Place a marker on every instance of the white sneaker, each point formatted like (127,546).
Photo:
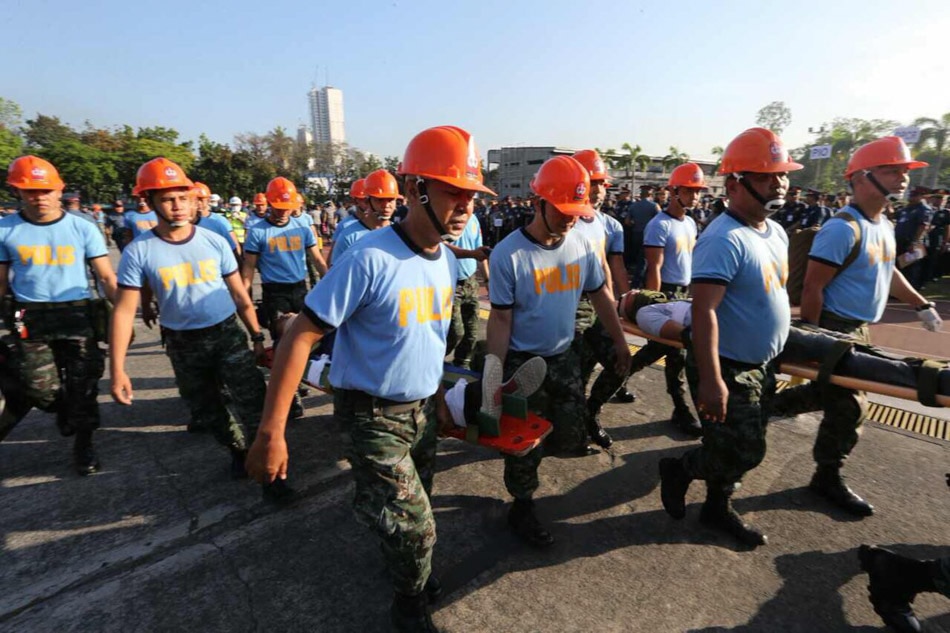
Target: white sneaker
(527,379)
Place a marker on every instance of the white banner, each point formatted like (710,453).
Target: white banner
(910,133)
(820,152)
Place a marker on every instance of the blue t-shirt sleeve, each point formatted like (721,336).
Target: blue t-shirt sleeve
(228,262)
(501,290)
(130,272)
(253,243)
(716,259)
(95,244)
(833,243)
(656,234)
(594,274)
(5,256)
(478,236)
(614,237)
(309,240)
(341,292)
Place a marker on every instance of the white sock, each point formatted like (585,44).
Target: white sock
(455,400)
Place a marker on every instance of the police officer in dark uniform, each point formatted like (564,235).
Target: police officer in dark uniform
(815,213)
(939,235)
(793,210)
(638,216)
(911,232)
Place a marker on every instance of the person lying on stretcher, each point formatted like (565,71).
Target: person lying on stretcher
(464,399)
(835,353)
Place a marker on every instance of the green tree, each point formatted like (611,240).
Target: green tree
(776,116)
(674,158)
(83,168)
(11,143)
(44,131)
(391,163)
(717,151)
(934,133)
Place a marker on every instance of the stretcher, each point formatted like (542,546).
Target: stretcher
(517,432)
(820,355)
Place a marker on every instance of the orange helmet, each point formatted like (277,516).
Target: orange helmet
(381,184)
(201,190)
(281,193)
(890,150)
(593,163)
(358,189)
(757,150)
(564,183)
(688,175)
(32,172)
(260,198)
(447,154)
(159,173)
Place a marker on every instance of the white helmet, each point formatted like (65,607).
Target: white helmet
(234,201)
(215,199)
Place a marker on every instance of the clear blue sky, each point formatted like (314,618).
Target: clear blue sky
(577,74)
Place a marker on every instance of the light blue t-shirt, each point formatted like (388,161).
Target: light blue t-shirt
(281,251)
(219,225)
(141,222)
(614,235)
(346,237)
(860,292)
(594,231)
(303,218)
(392,305)
(252,220)
(187,277)
(677,239)
(543,285)
(48,261)
(754,315)
(342,224)
(469,240)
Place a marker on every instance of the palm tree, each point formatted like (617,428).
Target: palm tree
(675,158)
(718,151)
(934,132)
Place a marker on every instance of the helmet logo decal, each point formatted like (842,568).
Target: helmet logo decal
(777,151)
(581,192)
(38,173)
(171,174)
(599,166)
(285,196)
(472,160)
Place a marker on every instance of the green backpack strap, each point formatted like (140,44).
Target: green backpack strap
(928,382)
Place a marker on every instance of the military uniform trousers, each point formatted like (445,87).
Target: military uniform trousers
(281,298)
(844,409)
(204,361)
(464,329)
(733,447)
(56,368)
(560,400)
(392,453)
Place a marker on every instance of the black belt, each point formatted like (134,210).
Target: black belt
(52,305)
(724,360)
(852,323)
(462,282)
(674,288)
(200,332)
(273,285)
(368,403)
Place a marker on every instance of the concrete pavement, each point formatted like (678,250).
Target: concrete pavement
(163,540)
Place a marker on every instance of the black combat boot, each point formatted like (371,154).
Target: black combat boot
(685,421)
(624,395)
(433,589)
(597,433)
(87,462)
(279,493)
(523,522)
(410,614)
(717,513)
(894,582)
(238,456)
(674,482)
(828,482)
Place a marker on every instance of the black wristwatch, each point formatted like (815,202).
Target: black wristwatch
(926,306)
(257,338)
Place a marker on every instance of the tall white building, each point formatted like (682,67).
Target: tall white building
(326,115)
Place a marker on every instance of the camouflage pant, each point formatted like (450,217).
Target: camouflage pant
(464,328)
(393,459)
(732,448)
(844,409)
(280,298)
(595,346)
(206,360)
(560,400)
(57,369)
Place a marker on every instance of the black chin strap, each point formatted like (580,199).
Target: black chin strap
(890,197)
(544,218)
(424,199)
(769,205)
